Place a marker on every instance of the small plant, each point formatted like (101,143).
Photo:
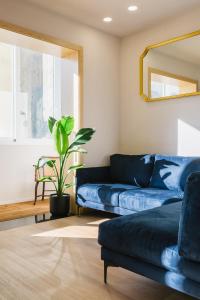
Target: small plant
(61,131)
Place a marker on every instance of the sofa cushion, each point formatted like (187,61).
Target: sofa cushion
(171,172)
(107,194)
(150,236)
(172,261)
(142,199)
(189,233)
(145,235)
(104,207)
(132,169)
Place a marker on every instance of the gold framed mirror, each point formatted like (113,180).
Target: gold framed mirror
(171,69)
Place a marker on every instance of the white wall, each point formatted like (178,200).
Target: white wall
(101,96)
(156,127)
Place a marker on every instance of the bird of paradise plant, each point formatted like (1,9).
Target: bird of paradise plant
(61,130)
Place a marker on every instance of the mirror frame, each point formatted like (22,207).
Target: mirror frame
(145,52)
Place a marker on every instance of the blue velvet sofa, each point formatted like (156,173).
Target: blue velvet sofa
(133,183)
(162,243)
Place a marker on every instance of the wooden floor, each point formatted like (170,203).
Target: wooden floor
(23,209)
(60,260)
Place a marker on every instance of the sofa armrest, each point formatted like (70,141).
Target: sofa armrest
(189,229)
(92,175)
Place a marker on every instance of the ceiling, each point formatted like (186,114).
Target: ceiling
(91,12)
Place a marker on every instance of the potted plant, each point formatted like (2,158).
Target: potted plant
(61,131)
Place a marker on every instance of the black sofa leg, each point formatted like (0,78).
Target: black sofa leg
(106,265)
(78,210)
(105,272)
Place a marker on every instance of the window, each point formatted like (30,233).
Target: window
(164,84)
(29,93)
(6,93)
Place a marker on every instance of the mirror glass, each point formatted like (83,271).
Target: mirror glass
(172,70)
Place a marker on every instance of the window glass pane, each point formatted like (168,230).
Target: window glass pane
(162,86)
(30,92)
(157,89)
(6,94)
(35,94)
(171,89)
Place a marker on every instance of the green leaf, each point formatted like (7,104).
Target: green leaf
(76,149)
(60,138)
(83,136)
(45,178)
(68,185)
(51,122)
(68,124)
(81,150)
(75,167)
(38,164)
(41,162)
(51,163)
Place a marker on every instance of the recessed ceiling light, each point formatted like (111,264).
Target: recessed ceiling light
(132,8)
(107,19)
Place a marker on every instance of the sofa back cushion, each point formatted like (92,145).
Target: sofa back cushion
(171,172)
(189,233)
(132,169)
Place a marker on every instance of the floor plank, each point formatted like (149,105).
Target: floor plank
(60,260)
(23,209)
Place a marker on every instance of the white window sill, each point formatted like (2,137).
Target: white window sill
(28,142)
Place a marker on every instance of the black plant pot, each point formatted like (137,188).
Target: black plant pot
(59,206)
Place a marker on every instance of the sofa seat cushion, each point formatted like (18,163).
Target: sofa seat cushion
(132,169)
(142,199)
(171,172)
(145,235)
(107,194)
(150,236)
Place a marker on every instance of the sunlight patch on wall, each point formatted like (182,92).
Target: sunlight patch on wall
(188,143)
